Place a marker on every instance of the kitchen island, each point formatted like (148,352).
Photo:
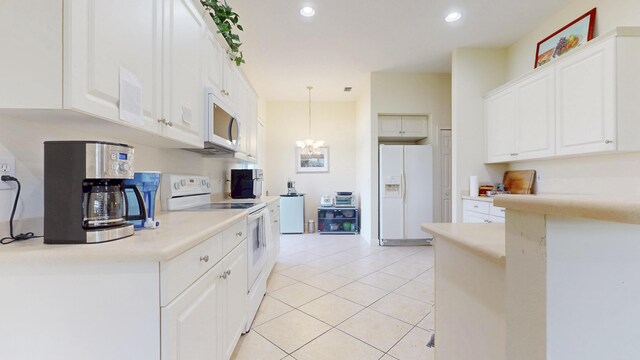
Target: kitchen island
(573,277)
(560,280)
(470,290)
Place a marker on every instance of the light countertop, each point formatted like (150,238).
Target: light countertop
(479,198)
(605,208)
(178,232)
(486,240)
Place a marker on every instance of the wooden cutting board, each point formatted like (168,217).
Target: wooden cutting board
(519,181)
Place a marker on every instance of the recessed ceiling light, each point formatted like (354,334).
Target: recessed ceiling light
(307,11)
(454,16)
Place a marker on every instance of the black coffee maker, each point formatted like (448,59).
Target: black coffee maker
(84,199)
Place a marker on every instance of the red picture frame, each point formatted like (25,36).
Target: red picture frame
(572,35)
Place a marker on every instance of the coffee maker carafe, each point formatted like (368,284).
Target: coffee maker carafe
(84,192)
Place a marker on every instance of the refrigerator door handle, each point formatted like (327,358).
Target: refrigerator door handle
(404,186)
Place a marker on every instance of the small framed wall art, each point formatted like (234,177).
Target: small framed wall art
(572,35)
(314,162)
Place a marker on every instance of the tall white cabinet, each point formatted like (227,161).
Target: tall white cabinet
(183,88)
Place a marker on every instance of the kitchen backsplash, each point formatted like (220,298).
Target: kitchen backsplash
(24,141)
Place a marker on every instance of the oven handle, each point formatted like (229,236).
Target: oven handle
(256,215)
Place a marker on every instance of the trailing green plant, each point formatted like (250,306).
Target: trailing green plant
(226,20)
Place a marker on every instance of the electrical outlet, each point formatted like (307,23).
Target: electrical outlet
(7,167)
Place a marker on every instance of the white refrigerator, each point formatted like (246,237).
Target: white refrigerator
(405,194)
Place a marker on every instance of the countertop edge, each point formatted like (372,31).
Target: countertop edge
(621,210)
(461,235)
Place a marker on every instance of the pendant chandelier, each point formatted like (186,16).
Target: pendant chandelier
(309,146)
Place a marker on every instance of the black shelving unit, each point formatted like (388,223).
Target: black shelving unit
(338,220)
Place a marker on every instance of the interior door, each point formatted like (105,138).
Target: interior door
(418,204)
(445,174)
(391,193)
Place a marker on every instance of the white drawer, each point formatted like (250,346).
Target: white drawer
(477,206)
(496,219)
(474,217)
(233,235)
(496,211)
(180,272)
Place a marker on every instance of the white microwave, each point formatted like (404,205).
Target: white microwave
(221,128)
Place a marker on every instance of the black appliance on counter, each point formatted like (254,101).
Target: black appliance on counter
(246,183)
(84,199)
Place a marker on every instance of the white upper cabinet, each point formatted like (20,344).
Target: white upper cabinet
(587,101)
(183,90)
(85,46)
(584,102)
(101,38)
(500,112)
(520,120)
(212,61)
(402,127)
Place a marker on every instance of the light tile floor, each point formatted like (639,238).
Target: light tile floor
(339,297)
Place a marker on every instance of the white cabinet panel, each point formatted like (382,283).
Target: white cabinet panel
(535,117)
(389,126)
(212,62)
(234,267)
(103,36)
(414,126)
(586,101)
(521,118)
(500,112)
(191,323)
(183,87)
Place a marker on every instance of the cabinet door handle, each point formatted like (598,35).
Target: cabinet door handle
(487,221)
(239,233)
(169,123)
(513,154)
(475,206)
(228,272)
(223,276)
(204,258)
(608,141)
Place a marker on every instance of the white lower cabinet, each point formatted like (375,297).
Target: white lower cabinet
(234,298)
(191,324)
(206,320)
(273,247)
(481,211)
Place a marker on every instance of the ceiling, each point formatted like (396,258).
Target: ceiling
(348,39)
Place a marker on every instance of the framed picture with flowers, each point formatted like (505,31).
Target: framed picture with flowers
(569,37)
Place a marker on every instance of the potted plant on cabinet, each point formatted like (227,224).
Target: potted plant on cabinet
(227,21)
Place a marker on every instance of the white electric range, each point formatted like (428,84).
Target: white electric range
(193,193)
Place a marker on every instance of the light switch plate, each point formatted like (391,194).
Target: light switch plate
(7,167)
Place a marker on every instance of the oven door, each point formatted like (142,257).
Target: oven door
(256,246)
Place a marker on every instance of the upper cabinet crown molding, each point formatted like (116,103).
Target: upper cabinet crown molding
(584,102)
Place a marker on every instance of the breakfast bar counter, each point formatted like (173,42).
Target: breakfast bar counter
(572,276)
(470,290)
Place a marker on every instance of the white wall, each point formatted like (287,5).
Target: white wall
(364,166)
(24,140)
(333,122)
(474,72)
(606,174)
